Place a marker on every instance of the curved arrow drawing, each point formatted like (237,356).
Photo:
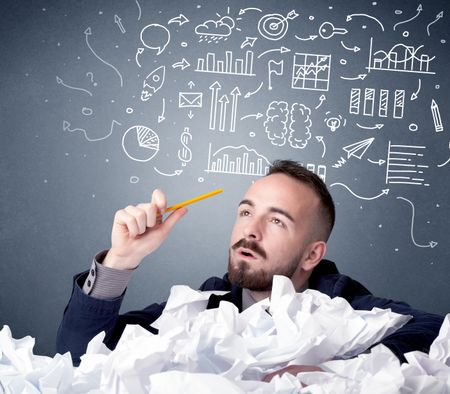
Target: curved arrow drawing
(257,116)
(138,52)
(177,172)
(281,50)
(383,192)
(377,126)
(415,94)
(444,164)
(181,64)
(438,16)
(419,10)
(61,82)
(180,19)
(161,117)
(349,18)
(353,49)
(249,94)
(310,38)
(379,162)
(322,98)
(360,76)
(319,138)
(87,33)
(66,127)
(431,244)
(244,10)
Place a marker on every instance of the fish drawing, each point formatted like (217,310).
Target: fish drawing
(153,82)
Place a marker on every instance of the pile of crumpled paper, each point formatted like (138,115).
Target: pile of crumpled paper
(224,351)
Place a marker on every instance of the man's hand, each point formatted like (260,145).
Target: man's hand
(138,231)
(293,370)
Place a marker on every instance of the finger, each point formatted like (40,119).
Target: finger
(140,217)
(151,212)
(173,218)
(159,199)
(127,222)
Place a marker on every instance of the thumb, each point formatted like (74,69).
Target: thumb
(173,218)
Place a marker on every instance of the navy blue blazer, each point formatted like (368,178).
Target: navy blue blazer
(85,316)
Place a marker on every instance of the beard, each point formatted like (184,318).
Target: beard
(242,274)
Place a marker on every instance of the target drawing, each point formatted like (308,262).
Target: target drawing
(274,26)
(140,143)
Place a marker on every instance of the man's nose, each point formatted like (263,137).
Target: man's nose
(253,231)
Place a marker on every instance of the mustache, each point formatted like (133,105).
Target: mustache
(253,246)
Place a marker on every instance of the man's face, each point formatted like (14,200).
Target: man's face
(274,224)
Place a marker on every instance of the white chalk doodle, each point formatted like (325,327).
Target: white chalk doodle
(256,116)
(400,58)
(275,68)
(229,66)
(66,127)
(367,104)
(153,82)
(311,71)
(155,36)
(59,81)
(359,76)
(334,122)
(223,100)
(320,170)
(237,160)
(430,244)
(275,26)
(139,9)
(249,94)
(180,19)
(328,30)
(413,127)
(134,179)
(216,30)
(437,120)
(175,173)
(87,33)
(242,11)
(140,143)
(377,126)
(322,98)
(319,138)
(444,164)
(136,57)
(185,153)
(401,167)
(419,10)
(311,37)
(379,162)
(118,22)
(438,16)
(352,49)
(415,94)
(190,100)
(282,49)
(351,16)
(249,41)
(384,192)
(357,149)
(86,111)
(90,75)
(181,64)
(161,117)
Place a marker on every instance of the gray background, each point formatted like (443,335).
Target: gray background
(59,191)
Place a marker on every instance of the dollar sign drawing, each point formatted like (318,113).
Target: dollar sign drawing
(184,153)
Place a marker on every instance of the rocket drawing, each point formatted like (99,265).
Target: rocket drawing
(153,82)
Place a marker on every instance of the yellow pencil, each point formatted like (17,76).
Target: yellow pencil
(192,200)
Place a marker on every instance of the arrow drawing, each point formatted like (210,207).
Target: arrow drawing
(360,76)
(438,16)
(182,64)
(415,94)
(215,87)
(319,138)
(248,94)
(257,116)
(176,172)
(384,192)
(235,93)
(322,98)
(61,82)
(87,33)
(379,162)
(190,114)
(353,49)
(281,50)
(66,127)
(118,21)
(431,244)
(419,10)
(377,126)
(249,41)
(310,38)
(242,11)
(223,111)
(161,117)
(138,52)
(444,164)
(349,18)
(180,19)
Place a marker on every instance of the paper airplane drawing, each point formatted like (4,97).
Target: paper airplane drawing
(358,148)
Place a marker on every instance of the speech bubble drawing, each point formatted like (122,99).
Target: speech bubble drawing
(155,36)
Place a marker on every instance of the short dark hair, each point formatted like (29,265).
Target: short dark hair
(297,171)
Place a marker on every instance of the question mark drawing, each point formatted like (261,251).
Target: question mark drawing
(90,75)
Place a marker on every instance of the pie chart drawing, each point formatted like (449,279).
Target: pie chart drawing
(140,143)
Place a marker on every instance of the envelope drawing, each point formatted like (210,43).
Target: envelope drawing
(190,99)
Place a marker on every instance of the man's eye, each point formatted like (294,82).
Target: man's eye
(244,213)
(278,222)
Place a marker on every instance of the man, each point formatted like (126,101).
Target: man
(282,226)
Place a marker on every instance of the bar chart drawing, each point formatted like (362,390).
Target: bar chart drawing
(404,165)
(237,160)
(370,102)
(311,71)
(400,58)
(227,65)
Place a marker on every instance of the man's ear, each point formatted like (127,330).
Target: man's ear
(314,253)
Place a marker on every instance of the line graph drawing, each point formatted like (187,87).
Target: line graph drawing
(431,244)
(404,165)
(237,160)
(230,66)
(275,26)
(311,71)
(400,58)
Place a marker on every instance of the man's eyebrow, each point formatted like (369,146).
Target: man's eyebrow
(271,209)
